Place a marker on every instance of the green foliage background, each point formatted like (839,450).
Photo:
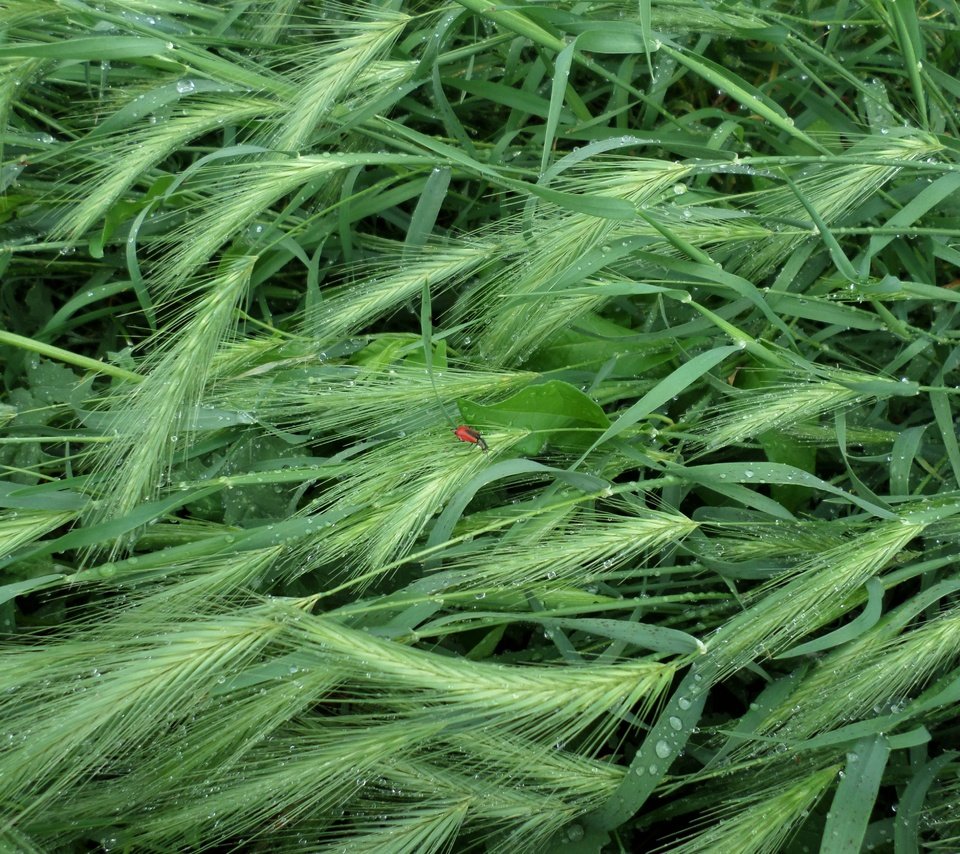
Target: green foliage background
(689,267)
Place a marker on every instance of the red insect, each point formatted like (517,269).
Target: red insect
(468,434)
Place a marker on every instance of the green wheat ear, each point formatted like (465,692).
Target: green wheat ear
(151,421)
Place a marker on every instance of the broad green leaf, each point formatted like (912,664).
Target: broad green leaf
(553,411)
(19,588)
(743,92)
(647,636)
(97,48)
(718,473)
(667,388)
(851,631)
(443,528)
(425,216)
(906,825)
(855,796)
(662,744)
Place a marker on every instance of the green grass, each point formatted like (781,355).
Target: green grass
(690,268)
